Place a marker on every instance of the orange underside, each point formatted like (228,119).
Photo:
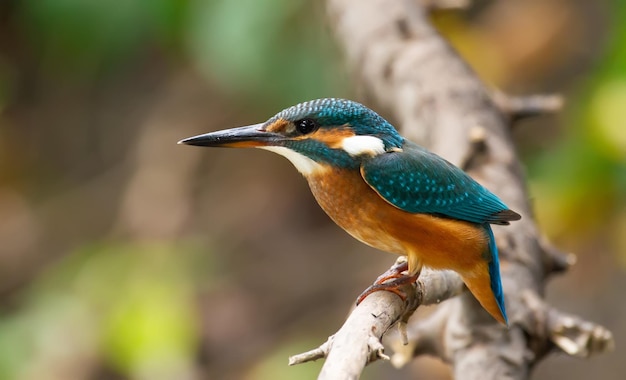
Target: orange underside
(426,240)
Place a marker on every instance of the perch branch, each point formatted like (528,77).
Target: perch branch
(358,341)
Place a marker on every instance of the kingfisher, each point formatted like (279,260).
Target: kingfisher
(386,191)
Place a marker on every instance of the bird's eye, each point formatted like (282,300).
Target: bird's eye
(305,126)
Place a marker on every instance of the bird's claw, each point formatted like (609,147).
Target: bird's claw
(392,281)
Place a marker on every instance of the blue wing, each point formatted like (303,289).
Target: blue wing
(418,181)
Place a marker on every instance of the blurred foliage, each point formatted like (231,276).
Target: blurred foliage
(286,60)
(85,295)
(131,304)
(90,35)
(583,181)
(94,36)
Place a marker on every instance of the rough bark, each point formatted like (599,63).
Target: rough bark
(406,68)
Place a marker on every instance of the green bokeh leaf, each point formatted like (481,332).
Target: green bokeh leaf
(131,304)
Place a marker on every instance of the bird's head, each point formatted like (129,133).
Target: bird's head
(314,135)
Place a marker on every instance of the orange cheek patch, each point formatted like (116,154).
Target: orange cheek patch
(331,137)
(278,126)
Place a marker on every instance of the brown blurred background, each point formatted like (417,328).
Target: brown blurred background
(126,256)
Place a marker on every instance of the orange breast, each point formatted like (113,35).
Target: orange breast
(429,240)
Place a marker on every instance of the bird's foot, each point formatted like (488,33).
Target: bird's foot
(392,281)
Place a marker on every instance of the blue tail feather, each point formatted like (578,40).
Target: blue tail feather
(494,273)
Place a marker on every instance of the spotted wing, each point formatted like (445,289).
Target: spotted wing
(419,181)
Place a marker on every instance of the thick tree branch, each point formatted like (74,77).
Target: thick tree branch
(403,65)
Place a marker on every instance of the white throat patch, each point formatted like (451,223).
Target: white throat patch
(358,145)
(305,165)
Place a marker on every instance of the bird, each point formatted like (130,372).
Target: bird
(386,191)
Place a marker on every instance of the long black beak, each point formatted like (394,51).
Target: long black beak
(250,136)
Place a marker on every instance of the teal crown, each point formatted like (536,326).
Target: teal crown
(335,112)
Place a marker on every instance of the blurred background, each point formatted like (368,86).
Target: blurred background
(126,256)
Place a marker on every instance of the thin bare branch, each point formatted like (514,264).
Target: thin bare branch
(578,337)
(571,334)
(555,260)
(520,107)
(312,355)
(446,4)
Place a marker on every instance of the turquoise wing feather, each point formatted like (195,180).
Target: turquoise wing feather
(418,181)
